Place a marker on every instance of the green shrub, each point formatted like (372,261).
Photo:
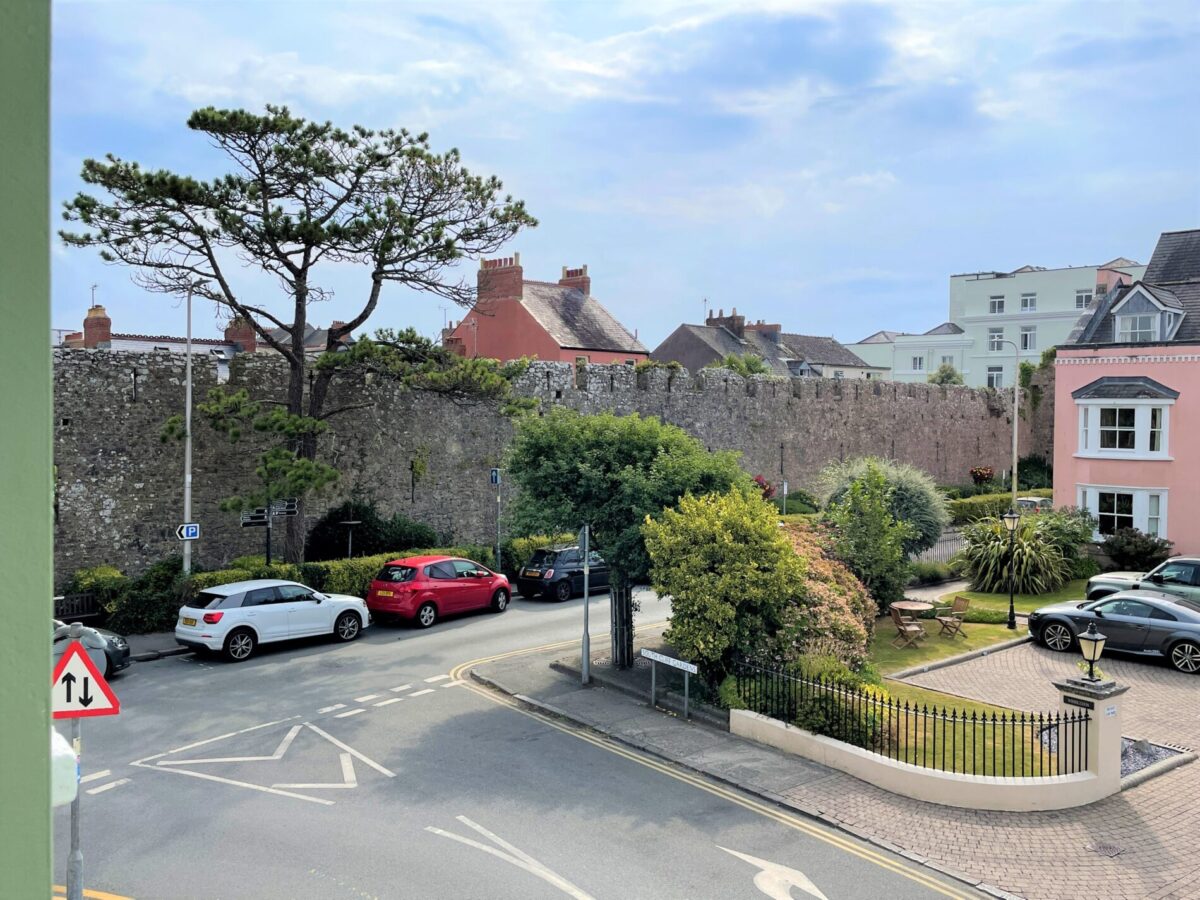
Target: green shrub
(374,534)
(106,583)
(744,364)
(945,374)
(1038,564)
(515,552)
(969,509)
(930,572)
(253,561)
(1084,567)
(913,497)
(1135,550)
(798,501)
(868,536)
(729,694)
(647,365)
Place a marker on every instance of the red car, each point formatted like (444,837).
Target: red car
(425,588)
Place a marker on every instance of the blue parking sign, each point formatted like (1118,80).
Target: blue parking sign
(188,531)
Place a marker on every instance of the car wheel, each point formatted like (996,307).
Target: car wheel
(239,645)
(426,615)
(1058,637)
(562,591)
(1185,656)
(347,627)
(500,600)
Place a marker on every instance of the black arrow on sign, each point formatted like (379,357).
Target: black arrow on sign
(68,680)
(86,698)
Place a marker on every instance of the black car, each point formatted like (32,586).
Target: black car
(557,573)
(107,649)
(1133,621)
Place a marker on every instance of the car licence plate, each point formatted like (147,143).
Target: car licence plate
(189,621)
(383,593)
(533,573)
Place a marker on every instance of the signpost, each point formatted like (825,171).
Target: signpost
(188,531)
(584,534)
(688,669)
(495,479)
(262,516)
(78,690)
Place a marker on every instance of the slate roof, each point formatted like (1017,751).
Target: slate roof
(169,339)
(1125,387)
(945,328)
(576,320)
(1163,296)
(820,351)
(1176,258)
(883,337)
(315,339)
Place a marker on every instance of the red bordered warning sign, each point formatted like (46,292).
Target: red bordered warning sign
(77,689)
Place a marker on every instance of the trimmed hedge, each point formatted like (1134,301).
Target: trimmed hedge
(987,506)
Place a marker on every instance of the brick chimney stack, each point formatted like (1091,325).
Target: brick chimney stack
(452,343)
(578,279)
(769,330)
(501,279)
(732,322)
(241,334)
(97,328)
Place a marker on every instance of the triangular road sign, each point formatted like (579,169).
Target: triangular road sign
(77,688)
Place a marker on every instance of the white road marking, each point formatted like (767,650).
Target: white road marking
(329,709)
(389,701)
(350,712)
(403,687)
(245,784)
(95,776)
(512,855)
(436,678)
(220,737)
(278,754)
(452,683)
(366,698)
(109,786)
(370,762)
(349,780)
(419,693)
(777,881)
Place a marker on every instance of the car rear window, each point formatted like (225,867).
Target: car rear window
(396,574)
(210,600)
(542,558)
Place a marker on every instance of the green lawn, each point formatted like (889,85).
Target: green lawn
(888,659)
(1074,590)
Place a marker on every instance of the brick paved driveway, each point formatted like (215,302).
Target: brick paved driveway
(1045,855)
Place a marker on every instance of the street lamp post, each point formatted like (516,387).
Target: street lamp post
(1010,520)
(1016,410)
(1091,645)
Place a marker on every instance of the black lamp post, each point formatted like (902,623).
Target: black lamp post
(1091,645)
(1010,520)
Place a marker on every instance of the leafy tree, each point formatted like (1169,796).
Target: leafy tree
(868,536)
(610,472)
(299,198)
(945,374)
(744,364)
(914,498)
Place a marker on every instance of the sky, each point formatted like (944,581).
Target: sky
(824,165)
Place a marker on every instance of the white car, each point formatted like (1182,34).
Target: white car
(236,618)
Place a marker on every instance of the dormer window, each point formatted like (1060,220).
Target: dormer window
(1137,329)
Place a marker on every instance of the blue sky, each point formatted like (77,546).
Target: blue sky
(824,165)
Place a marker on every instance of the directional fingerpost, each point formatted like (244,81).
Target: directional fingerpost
(77,689)
(775,880)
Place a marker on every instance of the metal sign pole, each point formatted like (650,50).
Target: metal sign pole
(498,565)
(587,641)
(187,437)
(75,861)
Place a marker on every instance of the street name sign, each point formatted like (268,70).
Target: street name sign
(255,518)
(287,507)
(77,689)
(188,531)
(670,661)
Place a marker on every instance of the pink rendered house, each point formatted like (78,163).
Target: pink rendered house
(1127,401)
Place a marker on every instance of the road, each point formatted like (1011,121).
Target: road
(368,770)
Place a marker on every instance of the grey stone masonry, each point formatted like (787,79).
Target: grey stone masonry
(119,487)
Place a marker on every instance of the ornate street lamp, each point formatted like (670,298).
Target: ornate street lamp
(1091,645)
(1010,520)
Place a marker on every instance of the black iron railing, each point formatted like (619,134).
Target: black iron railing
(73,607)
(1009,745)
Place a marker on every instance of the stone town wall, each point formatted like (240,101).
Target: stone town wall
(119,487)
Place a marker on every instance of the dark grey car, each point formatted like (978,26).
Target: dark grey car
(1133,621)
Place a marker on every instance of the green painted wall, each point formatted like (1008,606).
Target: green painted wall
(25,448)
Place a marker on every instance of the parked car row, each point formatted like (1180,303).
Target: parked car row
(234,619)
(1150,614)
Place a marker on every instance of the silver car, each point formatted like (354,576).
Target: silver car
(1133,621)
(1177,577)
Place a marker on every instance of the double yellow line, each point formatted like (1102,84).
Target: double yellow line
(462,673)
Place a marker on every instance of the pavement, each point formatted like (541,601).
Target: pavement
(147,647)
(376,769)
(1137,844)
